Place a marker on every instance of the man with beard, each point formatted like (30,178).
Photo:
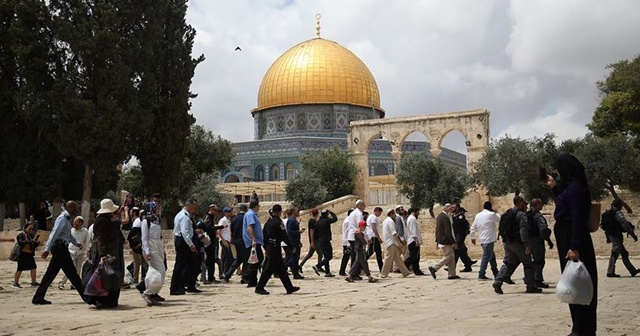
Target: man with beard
(211,251)
(238,243)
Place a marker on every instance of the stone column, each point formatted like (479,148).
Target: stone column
(473,155)
(362,178)
(435,152)
(397,155)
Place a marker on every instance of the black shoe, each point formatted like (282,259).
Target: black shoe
(613,275)
(300,269)
(497,287)
(156,297)
(242,282)
(298,277)
(356,278)
(214,281)
(140,287)
(453,277)
(348,279)
(251,285)
(534,290)
(329,275)
(466,270)
(432,271)
(342,274)
(636,272)
(178,293)
(261,291)
(193,290)
(420,274)
(473,262)
(293,289)
(225,279)
(508,281)
(373,280)
(483,277)
(315,269)
(41,302)
(541,284)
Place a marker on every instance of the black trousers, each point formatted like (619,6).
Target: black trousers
(212,259)
(241,259)
(311,252)
(293,258)
(227,258)
(583,316)
(414,258)
(186,267)
(327,252)
(461,252)
(376,248)
(274,265)
(348,254)
(60,260)
(538,252)
(250,271)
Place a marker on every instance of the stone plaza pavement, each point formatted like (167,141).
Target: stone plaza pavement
(395,306)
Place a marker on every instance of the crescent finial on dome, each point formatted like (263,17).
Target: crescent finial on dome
(318,16)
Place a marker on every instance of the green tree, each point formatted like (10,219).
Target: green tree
(205,191)
(306,190)
(131,180)
(206,154)
(334,168)
(609,163)
(427,181)
(164,70)
(620,105)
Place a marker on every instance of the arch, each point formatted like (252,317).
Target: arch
(289,171)
(259,173)
(473,124)
(232,178)
(274,172)
(380,169)
(411,132)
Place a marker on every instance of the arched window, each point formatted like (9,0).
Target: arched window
(274,172)
(259,176)
(380,169)
(289,171)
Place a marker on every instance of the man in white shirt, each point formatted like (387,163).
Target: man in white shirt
(486,225)
(414,240)
(393,244)
(224,235)
(374,235)
(346,248)
(355,217)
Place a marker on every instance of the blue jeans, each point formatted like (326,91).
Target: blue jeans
(488,256)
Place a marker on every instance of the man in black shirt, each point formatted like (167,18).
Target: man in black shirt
(460,231)
(236,237)
(323,234)
(211,251)
(274,235)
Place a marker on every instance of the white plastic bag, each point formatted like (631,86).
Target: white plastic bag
(253,257)
(153,280)
(575,286)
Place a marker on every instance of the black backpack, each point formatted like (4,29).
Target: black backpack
(608,221)
(135,237)
(509,229)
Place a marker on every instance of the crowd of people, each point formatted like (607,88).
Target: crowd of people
(240,244)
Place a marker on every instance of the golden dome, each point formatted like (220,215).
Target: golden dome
(318,71)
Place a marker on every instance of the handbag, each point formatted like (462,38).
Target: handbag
(15,253)
(111,279)
(95,286)
(253,257)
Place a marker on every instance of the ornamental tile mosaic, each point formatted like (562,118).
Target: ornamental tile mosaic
(326,121)
(342,120)
(313,121)
(271,125)
(290,122)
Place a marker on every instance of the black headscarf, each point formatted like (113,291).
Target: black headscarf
(572,170)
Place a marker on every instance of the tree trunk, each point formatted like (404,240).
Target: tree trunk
(86,193)
(3,209)
(626,206)
(22,209)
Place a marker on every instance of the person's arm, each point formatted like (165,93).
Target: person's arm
(523,224)
(543,227)
(334,217)
(144,227)
(472,232)
(186,230)
(53,236)
(375,231)
(250,231)
(22,239)
(577,201)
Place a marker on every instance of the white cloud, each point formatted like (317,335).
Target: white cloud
(560,123)
(518,59)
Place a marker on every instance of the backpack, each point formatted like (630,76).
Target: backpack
(608,221)
(534,230)
(135,237)
(509,229)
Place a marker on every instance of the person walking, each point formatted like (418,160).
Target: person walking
(78,255)
(57,245)
(323,227)
(573,203)
(460,232)
(414,240)
(313,239)
(187,262)
(361,256)
(154,253)
(224,235)
(294,232)
(393,245)
(373,232)
(274,234)
(26,261)
(238,243)
(538,233)
(446,241)
(486,225)
(618,226)
(253,238)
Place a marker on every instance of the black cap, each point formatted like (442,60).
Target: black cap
(277,208)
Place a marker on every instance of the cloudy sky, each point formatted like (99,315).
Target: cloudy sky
(532,64)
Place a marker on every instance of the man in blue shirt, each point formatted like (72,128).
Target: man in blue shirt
(187,263)
(253,238)
(58,246)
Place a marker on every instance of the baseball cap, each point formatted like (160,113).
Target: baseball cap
(227,209)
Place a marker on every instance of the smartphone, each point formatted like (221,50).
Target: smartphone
(542,174)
